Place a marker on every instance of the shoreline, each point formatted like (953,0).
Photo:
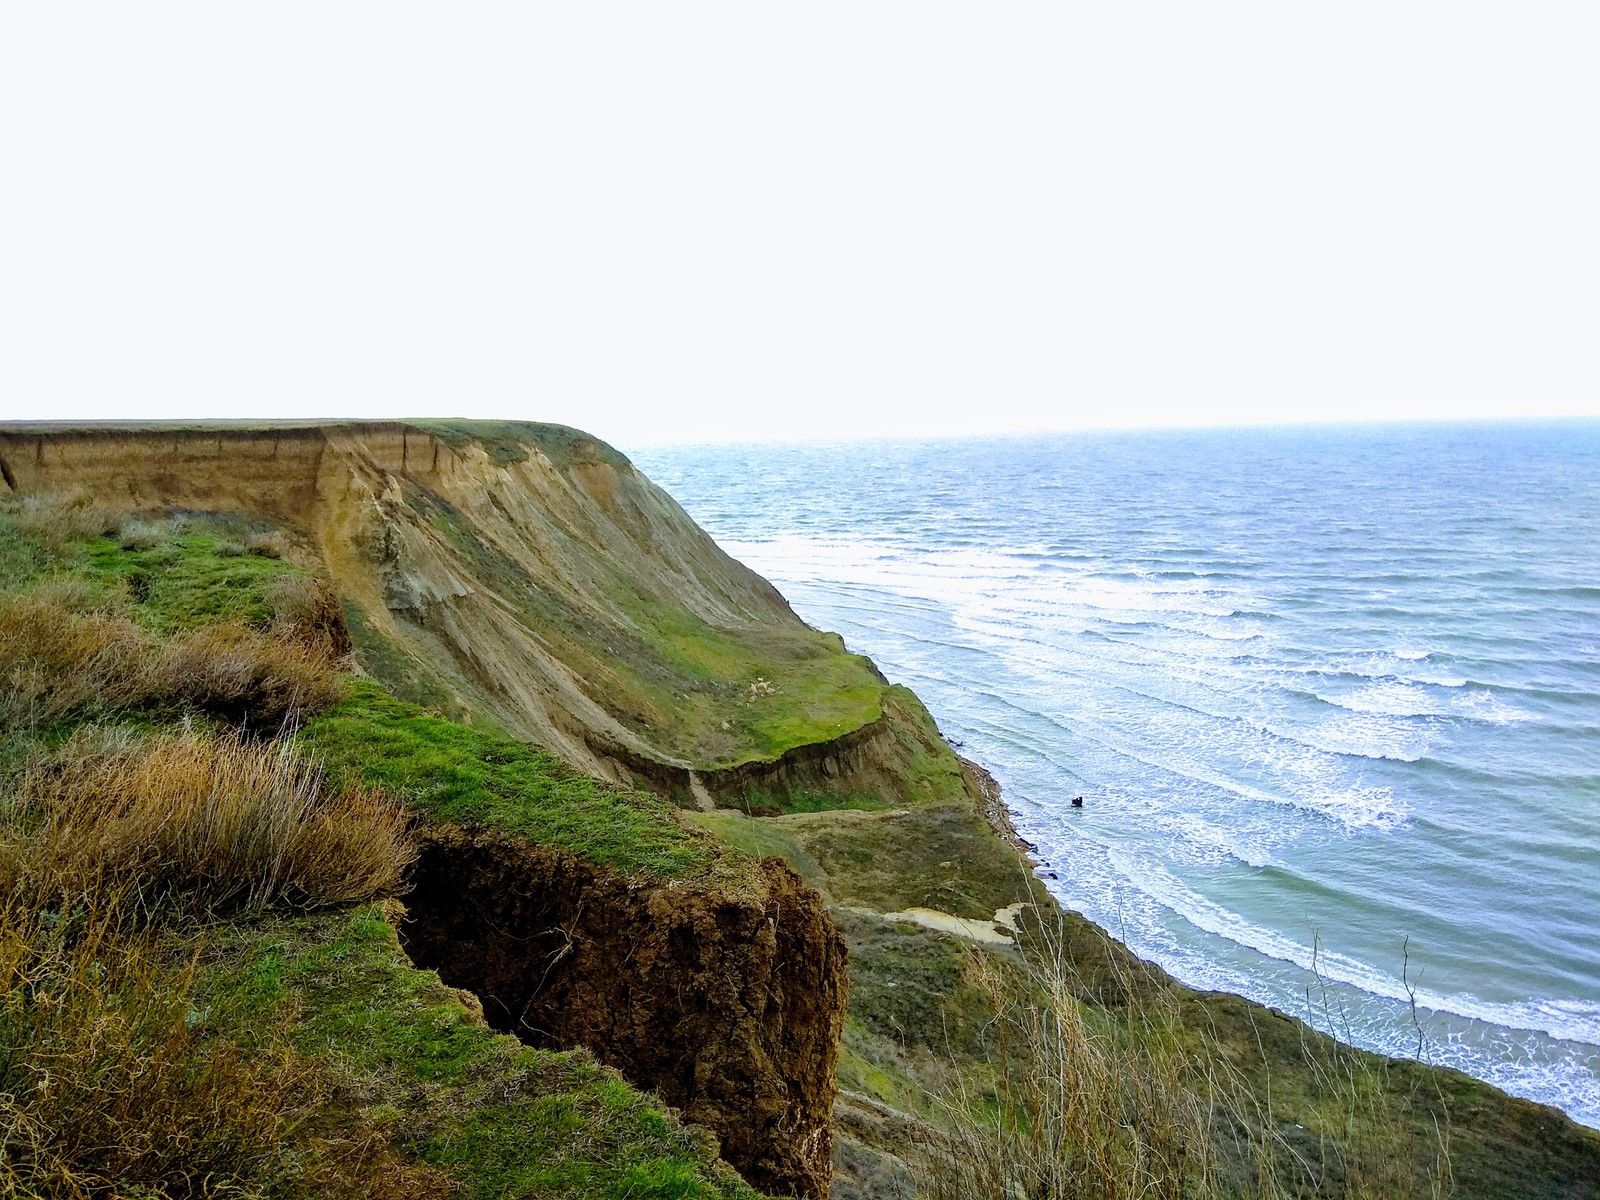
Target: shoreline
(999,818)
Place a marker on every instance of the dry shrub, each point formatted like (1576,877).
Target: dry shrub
(306,609)
(54,521)
(112,1084)
(199,822)
(60,656)
(246,675)
(56,658)
(269,545)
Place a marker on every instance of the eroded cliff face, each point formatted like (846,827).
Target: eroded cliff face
(536,580)
(731,1007)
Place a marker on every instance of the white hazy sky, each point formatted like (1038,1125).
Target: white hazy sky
(751,220)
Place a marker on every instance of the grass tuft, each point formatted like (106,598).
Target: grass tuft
(54,522)
(66,651)
(199,822)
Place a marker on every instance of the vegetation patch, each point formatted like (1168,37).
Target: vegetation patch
(197,822)
(941,857)
(503,1119)
(67,654)
(405,676)
(184,575)
(469,776)
(113,1084)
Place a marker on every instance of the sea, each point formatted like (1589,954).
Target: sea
(1330,694)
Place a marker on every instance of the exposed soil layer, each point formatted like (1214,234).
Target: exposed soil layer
(730,1007)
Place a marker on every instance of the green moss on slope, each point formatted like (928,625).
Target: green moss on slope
(458,773)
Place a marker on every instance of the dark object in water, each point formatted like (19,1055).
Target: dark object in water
(1077,802)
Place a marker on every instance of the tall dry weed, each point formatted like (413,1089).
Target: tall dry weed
(199,823)
(112,1083)
(1108,1105)
(53,521)
(1126,1102)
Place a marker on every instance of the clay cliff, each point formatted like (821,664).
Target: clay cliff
(528,576)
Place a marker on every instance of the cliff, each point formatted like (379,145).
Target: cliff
(524,575)
(730,1008)
(502,588)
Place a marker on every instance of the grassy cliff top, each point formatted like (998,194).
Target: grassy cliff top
(505,441)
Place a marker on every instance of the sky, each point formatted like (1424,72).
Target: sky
(741,221)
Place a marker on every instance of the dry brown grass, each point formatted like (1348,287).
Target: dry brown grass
(198,823)
(276,544)
(245,675)
(63,651)
(113,1085)
(56,658)
(54,521)
(307,610)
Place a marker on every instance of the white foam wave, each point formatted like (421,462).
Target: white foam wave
(1564,1019)
(1015,576)
(1355,807)
(1389,698)
(1366,735)
(1488,707)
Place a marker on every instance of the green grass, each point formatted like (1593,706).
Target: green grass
(457,773)
(729,696)
(759,838)
(177,574)
(773,804)
(189,579)
(504,1119)
(940,856)
(406,677)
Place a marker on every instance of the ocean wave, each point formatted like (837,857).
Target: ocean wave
(1366,735)
(1355,807)
(1564,1019)
(1492,709)
(1388,698)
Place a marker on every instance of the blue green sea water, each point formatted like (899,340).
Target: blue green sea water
(1331,694)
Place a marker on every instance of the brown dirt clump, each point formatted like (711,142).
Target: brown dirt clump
(731,1007)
